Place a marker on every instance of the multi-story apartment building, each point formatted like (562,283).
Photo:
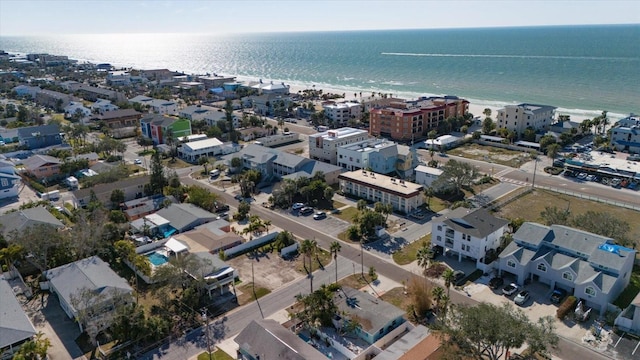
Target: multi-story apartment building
(410,120)
(341,112)
(324,145)
(158,127)
(468,233)
(402,195)
(379,155)
(625,134)
(518,118)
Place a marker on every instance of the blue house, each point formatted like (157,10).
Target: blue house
(9,180)
(36,137)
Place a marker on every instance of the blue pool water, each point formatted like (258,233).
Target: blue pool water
(157,259)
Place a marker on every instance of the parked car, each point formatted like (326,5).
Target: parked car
(558,295)
(590,177)
(458,277)
(521,298)
(496,282)
(306,211)
(510,289)
(319,215)
(239,197)
(137,161)
(582,176)
(297,206)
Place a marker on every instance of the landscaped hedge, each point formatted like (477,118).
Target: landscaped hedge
(37,186)
(567,305)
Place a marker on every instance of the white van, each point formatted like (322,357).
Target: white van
(214,173)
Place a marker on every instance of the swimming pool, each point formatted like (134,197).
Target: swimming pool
(157,259)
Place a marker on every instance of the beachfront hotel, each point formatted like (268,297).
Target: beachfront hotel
(518,118)
(324,145)
(402,195)
(410,120)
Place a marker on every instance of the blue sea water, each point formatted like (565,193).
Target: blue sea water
(581,69)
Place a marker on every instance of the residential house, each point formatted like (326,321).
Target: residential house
(158,127)
(267,104)
(9,136)
(19,221)
(175,218)
(271,88)
(133,188)
(442,142)
(71,85)
(213,117)
(629,319)
(10,181)
(427,175)
(403,195)
(89,292)
(341,113)
(191,151)
(103,105)
(76,108)
(472,234)
(137,208)
(324,145)
(157,74)
(215,81)
(92,158)
(42,166)
(278,139)
(267,339)
(589,266)
(118,78)
(36,137)
(375,316)
(625,134)
(158,106)
(276,164)
(518,118)
(122,122)
(252,133)
(418,344)
(211,237)
(378,155)
(195,112)
(15,326)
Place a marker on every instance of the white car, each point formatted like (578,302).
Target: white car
(297,206)
(137,161)
(510,289)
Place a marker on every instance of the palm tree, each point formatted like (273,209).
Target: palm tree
(428,192)
(438,294)
(204,161)
(308,247)
(604,121)
(335,249)
(447,275)
(424,255)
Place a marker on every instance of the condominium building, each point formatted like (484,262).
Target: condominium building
(518,118)
(324,145)
(379,155)
(409,120)
(625,134)
(341,113)
(402,195)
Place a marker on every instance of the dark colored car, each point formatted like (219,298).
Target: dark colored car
(496,282)
(458,277)
(558,295)
(510,289)
(306,211)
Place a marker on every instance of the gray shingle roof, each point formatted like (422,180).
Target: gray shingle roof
(270,340)
(478,223)
(103,191)
(181,216)
(533,233)
(43,130)
(373,313)
(37,161)
(15,326)
(91,273)
(23,219)
(577,240)
(523,255)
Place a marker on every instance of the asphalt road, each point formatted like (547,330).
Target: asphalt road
(232,323)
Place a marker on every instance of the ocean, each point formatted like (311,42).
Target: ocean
(580,69)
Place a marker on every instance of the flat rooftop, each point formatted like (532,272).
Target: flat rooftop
(336,134)
(383,183)
(368,145)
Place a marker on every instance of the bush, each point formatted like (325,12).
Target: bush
(567,305)
(37,186)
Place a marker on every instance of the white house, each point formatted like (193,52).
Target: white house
(119,78)
(195,112)
(103,105)
(441,142)
(403,195)
(426,175)
(518,118)
(625,134)
(158,106)
(191,151)
(469,233)
(76,107)
(589,266)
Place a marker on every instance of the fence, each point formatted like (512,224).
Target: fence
(635,207)
(286,251)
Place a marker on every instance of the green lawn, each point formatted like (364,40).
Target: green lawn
(407,254)
(631,291)
(217,355)
(322,259)
(347,214)
(247,293)
(436,204)
(338,204)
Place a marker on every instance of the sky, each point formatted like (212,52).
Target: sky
(54,17)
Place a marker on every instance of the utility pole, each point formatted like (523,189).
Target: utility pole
(362,257)
(206,324)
